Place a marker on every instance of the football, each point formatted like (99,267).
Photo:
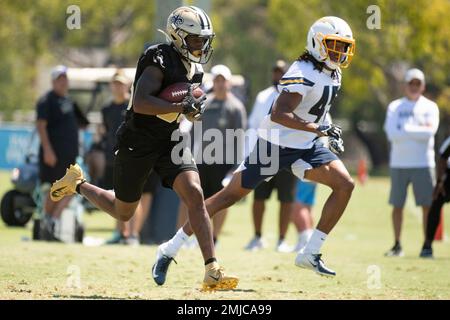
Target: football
(177,91)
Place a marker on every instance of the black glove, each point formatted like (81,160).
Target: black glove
(336,145)
(330,130)
(192,105)
(196,115)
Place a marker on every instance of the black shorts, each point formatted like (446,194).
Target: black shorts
(51,174)
(107,181)
(135,158)
(284,181)
(211,177)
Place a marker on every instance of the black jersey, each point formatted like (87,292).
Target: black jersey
(168,60)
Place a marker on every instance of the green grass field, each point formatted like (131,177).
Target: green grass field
(35,270)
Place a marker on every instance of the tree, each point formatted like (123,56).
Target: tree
(244,41)
(35,31)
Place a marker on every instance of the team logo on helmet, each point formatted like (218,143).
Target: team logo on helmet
(177,20)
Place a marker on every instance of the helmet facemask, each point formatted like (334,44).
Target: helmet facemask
(330,41)
(339,50)
(193,52)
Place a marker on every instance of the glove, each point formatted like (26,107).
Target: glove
(191,105)
(196,116)
(330,130)
(336,145)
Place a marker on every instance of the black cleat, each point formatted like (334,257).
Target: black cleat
(426,253)
(159,269)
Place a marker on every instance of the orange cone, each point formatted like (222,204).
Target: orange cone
(362,171)
(439,235)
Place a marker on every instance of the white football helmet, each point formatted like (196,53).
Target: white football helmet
(185,21)
(323,37)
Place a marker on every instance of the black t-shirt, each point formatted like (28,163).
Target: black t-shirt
(113,115)
(168,60)
(62,128)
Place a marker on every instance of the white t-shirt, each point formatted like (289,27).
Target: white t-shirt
(318,90)
(263,102)
(410,127)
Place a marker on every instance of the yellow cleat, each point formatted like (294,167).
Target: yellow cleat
(67,185)
(215,279)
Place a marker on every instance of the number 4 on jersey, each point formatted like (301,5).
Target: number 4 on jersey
(327,98)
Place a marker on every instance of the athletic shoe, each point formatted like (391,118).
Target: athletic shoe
(396,251)
(426,253)
(132,241)
(255,244)
(117,238)
(283,247)
(215,279)
(313,262)
(159,269)
(48,226)
(67,185)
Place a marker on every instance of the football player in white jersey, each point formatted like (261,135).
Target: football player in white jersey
(289,134)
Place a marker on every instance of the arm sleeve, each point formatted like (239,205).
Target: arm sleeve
(424,132)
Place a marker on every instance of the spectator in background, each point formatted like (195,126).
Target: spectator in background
(285,182)
(57,127)
(113,115)
(302,213)
(411,123)
(223,110)
(441,194)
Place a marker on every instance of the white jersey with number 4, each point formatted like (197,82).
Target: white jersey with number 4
(318,90)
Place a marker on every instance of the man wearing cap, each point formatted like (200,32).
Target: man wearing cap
(223,110)
(285,182)
(411,123)
(58,132)
(113,114)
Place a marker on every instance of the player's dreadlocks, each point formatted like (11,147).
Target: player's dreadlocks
(306,56)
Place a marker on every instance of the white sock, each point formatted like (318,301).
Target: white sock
(315,242)
(171,247)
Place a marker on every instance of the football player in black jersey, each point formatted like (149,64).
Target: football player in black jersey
(145,144)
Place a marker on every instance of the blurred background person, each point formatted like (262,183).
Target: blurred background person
(302,212)
(57,127)
(284,181)
(441,194)
(411,123)
(113,115)
(223,110)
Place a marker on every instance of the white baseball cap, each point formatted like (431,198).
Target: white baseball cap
(414,73)
(119,76)
(58,71)
(221,70)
